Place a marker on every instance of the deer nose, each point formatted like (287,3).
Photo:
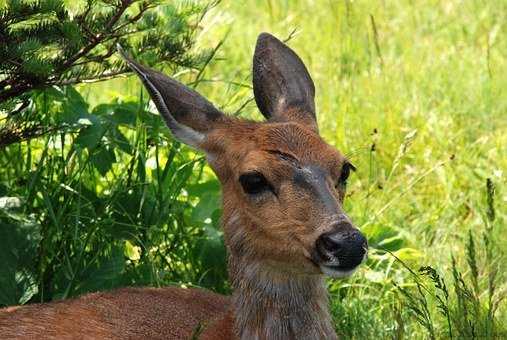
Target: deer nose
(346,248)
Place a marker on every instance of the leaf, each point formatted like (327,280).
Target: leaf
(105,273)
(103,159)
(18,253)
(391,243)
(209,202)
(90,136)
(74,106)
(408,254)
(383,237)
(121,141)
(211,253)
(71,31)
(125,113)
(132,252)
(37,67)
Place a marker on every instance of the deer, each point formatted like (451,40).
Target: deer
(285,230)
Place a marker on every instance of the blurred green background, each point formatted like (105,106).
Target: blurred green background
(413,92)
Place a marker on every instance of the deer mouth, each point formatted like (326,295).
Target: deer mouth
(338,265)
(341,268)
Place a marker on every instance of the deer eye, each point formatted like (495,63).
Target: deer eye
(254,183)
(345,173)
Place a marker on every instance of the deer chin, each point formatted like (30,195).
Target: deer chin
(336,272)
(333,269)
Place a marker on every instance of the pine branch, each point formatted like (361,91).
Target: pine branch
(98,38)
(44,46)
(102,77)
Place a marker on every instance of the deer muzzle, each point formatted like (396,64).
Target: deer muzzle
(340,251)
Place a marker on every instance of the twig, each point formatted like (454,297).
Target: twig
(291,34)
(375,40)
(97,39)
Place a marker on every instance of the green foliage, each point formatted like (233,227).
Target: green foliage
(103,204)
(471,311)
(92,215)
(467,309)
(49,42)
(412,93)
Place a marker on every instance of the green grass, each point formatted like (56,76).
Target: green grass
(412,91)
(424,83)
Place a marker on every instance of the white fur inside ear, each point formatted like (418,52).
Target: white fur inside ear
(181,132)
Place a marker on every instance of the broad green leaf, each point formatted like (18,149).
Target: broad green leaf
(74,106)
(120,141)
(209,202)
(105,273)
(408,254)
(132,252)
(90,136)
(103,159)
(383,237)
(18,252)
(124,113)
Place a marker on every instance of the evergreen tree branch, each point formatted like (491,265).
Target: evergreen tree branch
(52,47)
(94,41)
(45,44)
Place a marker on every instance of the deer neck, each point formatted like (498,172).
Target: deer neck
(271,304)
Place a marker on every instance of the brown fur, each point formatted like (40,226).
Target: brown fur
(279,289)
(272,242)
(129,313)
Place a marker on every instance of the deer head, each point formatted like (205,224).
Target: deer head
(283,185)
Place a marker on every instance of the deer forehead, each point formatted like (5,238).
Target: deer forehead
(262,145)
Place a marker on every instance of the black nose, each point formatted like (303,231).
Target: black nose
(346,246)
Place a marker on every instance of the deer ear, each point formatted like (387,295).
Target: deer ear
(189,116)
(283,88)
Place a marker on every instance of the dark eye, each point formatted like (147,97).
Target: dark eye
(254,183)
(345,173)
